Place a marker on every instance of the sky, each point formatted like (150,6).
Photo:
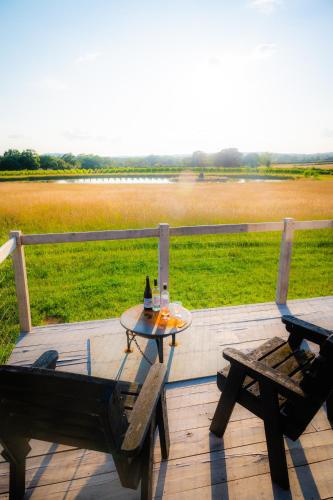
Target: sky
(137,77)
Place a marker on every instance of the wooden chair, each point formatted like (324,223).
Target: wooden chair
(280,382)
(87,412)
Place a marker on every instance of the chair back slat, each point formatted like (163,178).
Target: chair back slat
(82,411)
(61,407)
(316,380)
(318,376)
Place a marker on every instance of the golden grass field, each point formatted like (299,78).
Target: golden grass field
(76,282)
(47,207)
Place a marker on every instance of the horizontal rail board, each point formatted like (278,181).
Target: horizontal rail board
(40,239)
(313,224)
(226,228)
(7,248)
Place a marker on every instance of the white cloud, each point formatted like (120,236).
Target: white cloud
(264,51)
(17,136)
(214,61)
(328,133)
(265,6)
(51,83)
(87,57)
(79,135)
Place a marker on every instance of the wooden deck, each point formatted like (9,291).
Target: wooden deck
(200,465)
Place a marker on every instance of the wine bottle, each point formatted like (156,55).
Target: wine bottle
(165,299)
(147,296)
(156,297)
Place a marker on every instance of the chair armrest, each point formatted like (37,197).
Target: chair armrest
(47,360)
(143,410)
(261,372)
(304,330)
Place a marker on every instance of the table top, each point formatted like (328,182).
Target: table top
(148,323)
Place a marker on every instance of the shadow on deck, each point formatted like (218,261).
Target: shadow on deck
(200,465)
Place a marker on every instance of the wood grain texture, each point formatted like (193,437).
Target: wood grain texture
(163,231)
(7,248)
(51,238)
(285,261)
(226,228)
(163,255)
(144,408)
(314,224)
(198,354)
(194,463)
(200,466)
(21,284)
(149,324)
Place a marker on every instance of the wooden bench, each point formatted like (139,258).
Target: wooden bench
(282,382)
(109,416)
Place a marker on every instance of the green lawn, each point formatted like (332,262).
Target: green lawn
(75,282)
(99,280)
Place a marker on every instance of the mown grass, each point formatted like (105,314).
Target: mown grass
(99,280)
(8,311)
(75,282)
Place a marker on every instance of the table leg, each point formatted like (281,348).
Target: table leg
(159,343)
(129,341)
(173,342)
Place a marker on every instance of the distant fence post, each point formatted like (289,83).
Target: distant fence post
(21,284)
(163,255)
(285,260)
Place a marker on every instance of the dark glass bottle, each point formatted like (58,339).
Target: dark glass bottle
(147,296)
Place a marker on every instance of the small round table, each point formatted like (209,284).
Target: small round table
(152,325)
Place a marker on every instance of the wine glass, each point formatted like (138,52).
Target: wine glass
(176,309)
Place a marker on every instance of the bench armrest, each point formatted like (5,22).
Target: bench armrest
(263,373)
(143,410)
(303,330)
(47,360)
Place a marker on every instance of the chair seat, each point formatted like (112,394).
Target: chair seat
(281,383)
(275,353)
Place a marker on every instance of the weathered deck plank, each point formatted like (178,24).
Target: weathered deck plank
(200,465)
(198,355)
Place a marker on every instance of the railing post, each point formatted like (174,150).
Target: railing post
(163,255)
(21,284)
(285,260)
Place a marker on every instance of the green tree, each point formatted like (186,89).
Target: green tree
(70,159)
(30,160)
(48,162)
(228,158)
(199,159)
(251,160)
(266,159)
(62,165)
(11,160)
(89,161)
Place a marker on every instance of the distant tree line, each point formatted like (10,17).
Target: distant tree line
(231,158)
(228,158)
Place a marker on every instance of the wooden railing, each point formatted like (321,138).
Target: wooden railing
(15,246)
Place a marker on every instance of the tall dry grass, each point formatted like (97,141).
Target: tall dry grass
(35,207)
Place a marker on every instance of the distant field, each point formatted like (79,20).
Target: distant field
(283,171)
(74,282)
(54,207)
(304,165)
